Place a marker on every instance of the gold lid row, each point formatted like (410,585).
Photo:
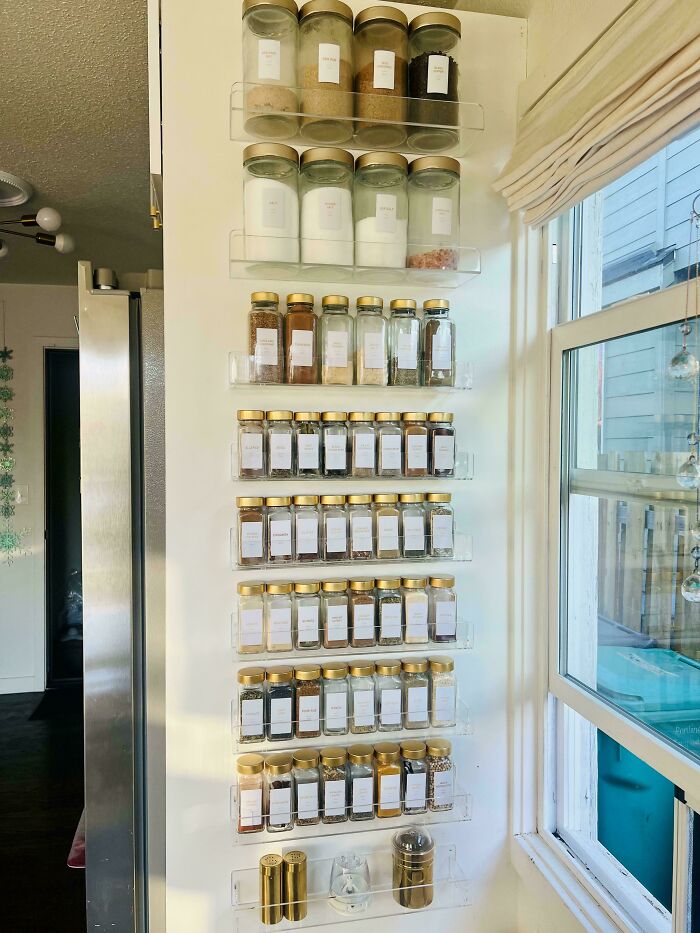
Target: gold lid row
(364,301)
(256,414)
(336,670)
(362,584)
(384,752)
(355,499)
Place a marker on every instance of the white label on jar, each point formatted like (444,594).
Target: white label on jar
(361,530)
(280,451)
(390,452)
(416,619)
(407,350)
(307,624)
(336,535)
(336,711)
(336,348)
(250,807)
(336,451)
(330,211)
(363,448)
(251,632)
(388,533)
(251,539)
(444,699)
(307,451)
(442,348)
(438,74)
(390,707)
(385,213)
(273,209)
(266,346)
(281,716)
(280,806)
(413,533)
(301,350)
(415,791)
(269,59)
(362,795)
(363,622)
(446,618)
(307,800)
(417,703)
(307,535)
(443,790)
(251,451)
(252,717)
(442,217)
(374,351)
(390,620)
(336,623)
(441,526)
(443,453)
(384,69)
(309,713)
(417,451)
(334,798)
(328,63)
(390,791)
(280,633)
(281,538)
(363,707)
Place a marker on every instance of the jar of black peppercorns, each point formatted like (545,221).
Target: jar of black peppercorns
(433,80)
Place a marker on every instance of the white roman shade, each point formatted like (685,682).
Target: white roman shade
(633,91)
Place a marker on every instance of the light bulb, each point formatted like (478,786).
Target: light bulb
(48,219)
(64,243)
(690,587)
(3,249)
(683,366)
(688,476)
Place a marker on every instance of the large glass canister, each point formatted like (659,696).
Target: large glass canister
(325,188)
(300,340)
(438,343)
(271,202)
(381,77)
(404,341)
(336,341)
(433,213)
(433,81)
(381,210)
(326,71)
(270,32)
(265,338)
(370,342)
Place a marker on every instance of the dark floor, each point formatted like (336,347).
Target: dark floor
(41,799)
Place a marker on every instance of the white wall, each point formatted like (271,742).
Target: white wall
(36,316)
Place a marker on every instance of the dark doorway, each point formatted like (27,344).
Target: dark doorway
(64,593)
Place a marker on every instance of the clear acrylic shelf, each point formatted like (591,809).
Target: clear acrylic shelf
(450,890)
(251,258)
(265,112)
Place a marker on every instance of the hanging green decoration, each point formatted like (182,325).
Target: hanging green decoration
(11,539)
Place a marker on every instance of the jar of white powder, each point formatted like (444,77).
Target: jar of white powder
(271,202)
(381,210)
(326,207)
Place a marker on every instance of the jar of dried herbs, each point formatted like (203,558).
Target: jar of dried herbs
(278,616)
(438,343)
(414,777)
(335,528)
(416,684)
(334,785)
(279,529)
(440,775)
(308,443)
(265,338)
(300,340)
(280,444)
(251,712)
(270,30)
(370,342)
(251,443)
(389,611)
(387,756)
(307,615)
(415,444)
(404,341)
(306,529)
(440,524)
(441,443)
(251,531)
(251,627)
(362,715)
(433,213)
(362,443)
(387,681)
(389,443)
(415,610)
(337,341)
(361,767)
(279,785)
(361,530)
(335,699)
(362,613)
(442,610)
(443,693)
(412,527)
(433,81)
(335,443)
(334,613)
(251,817)
(381,67)
(307,787)
(308,700)
(279,703)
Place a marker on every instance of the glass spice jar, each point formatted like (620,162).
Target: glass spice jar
(362,613)
(433,213)
(279,785)
(414,777)
(412,525)
(387,682)
(271,221)
(308,701)
(381,212)
(360,522)
(404,340)
(307,615)
(387,756)
(334,784)
(279,703)
(389,443)
(279,529)
(251,531)
(280,445)
(335,699)
(278,616)
(388,611)
(251,444)
(386,522)
(336,341)
(306,529)
(334,613)
(370,342)
(415,610)
(381,77)
(362,715)
(308,443)
(265,338)
(300,340)
(415,444)
(440,775)
(251,703)
(335,443)
(440,521)
(416,684)
(270,30)
(441,443)
(362,443)
(443,693)
(307,787)
(251,627)
(438,343)
(325,188)
(361,768)
(250,793)
(433,81)
(335,528)
(442,610)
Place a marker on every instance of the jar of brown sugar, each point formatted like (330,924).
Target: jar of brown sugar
(300,340)
(362,613)
(381,76)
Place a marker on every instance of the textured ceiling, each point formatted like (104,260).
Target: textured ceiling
(74,123)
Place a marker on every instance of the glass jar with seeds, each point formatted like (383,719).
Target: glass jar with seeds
(334,784)
(381,76)
(278,616)
(251,817)
(279,786)
(442,610)
(251,444)
(387,684)
(386,523)
(416,684)
(362,613)
(251,704)
(265,338)
(415,444)
(412,525)
(308,700)
(307,533)
(440,521)
(280,445)
(337,341)
(441,443)
(307,615)
(279,529)
(415,610)
(270,30)
(308,443)
(443,693)
(370,339)
(433,81)
(362,715)
(307,787)
(300,324)
(335,528)
(362,443)
(251,531)
(335,699)
(414,778)
(251,626)
(334,613)
(389,443)
(388,611)
(387,769)
(360,526)
(279,704)
(440,775)
(439,341)
(404,342)
(361,795)
(335,443)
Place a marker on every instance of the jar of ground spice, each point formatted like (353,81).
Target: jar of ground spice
(389,443)
(270,30)
(362,443)
(415,444)
(308,701)
(334,785)
(433,81)
(361,760)
(307,615)
(279,786)
(280,445)
(362,716)
(386,523)
(279,529)
(265,338)
(441,443)
(335,443)
(250,793)
(308,443)
(415,610)
(389,611)
(440,775)
(387,682)
(307,787)
(442,610)
(370,342)
(439,341)
(335,699)
(307,531)
(433,213)
(360,526)
(251,704)
(404,340)
(440,524)
(300,340)
(416,684)
(271,203)
(443,693)
(380,206)
(251,443)
(334,531)
(278,616)
(381,67)
(251,627)
(387,756)
(337,341)
(362,613)
(412,526)
(279,704)
(334,613)
(251,531)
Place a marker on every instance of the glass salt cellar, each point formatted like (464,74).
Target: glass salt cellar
(442,610)
(387,681)
(335,528)
(443,693)
(335,699)
(251,627)
(416,684)
(306,529)
(362,443)
(389,443)
(404,341)
(251,444)
(308,443)
(334,613)
(307,615)
(361,796)
(279,529)
(362,715)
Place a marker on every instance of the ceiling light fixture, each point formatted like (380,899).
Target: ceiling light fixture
(49,220)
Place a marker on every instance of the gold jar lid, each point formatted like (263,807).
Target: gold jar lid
(387,752)
(250,414)
(278,764)
(305,500)
(413,749)
(361,416)
(388,667)
(388,416)
(279,675)
(251,589)
(386,498)
(412,416)
(307,415)
(361,754)
(307,586)
(439,497)
(364,498)
(278,500)
(362,669)
(342,300)
(438,747)
(445,416)
(251,675)
(335,670)
(279,416)
(265,151)
(279,588)
(326,6)
(300,298)
(271,864)
(435,18)
(414,665)
(332,500)
(442,581)
(414,583)
(265,296)
(412,497)
(334,416)
(392,159)
(307,672)
(436,304)
(328,154)
(334,586)
(425,163)
(370,301)
(289,5)
(335,755)
(402,304)
(305,758)
(362,585)
(249,764)
(442,664)
(374,13)
(388,583)
(243,501)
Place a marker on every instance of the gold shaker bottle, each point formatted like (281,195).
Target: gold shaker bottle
(271,889)
(295,903)
(413,857)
